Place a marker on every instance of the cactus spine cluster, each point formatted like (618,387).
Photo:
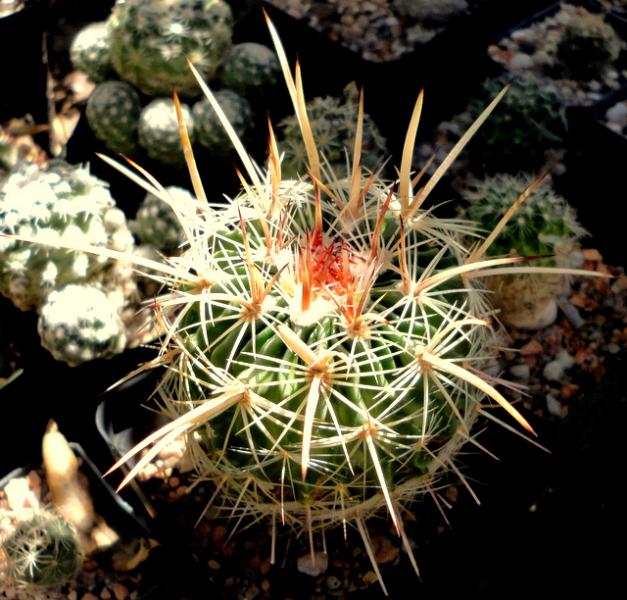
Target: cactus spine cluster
(41,552)
(324,348)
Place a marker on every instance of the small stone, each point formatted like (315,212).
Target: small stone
(384,550)
(120,591)
(333,582)
(521,371)
(370,577)
(89,596)
(214,565)
(592,254)
(105,594)
(265,585)
(532,347)
(520,60)
(613,348)
(313,566)
(554,406)
(565,359)
(553,371)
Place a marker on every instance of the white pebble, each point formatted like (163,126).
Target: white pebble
(520,60)
(313,566)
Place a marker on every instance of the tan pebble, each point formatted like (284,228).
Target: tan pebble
(72,595)
(384,550)
(264,567)
(369,577)
(265,585)
(532,347)
(174,482)
(592,254)
(219,533)
(134,595)
(214,565)
(89,596)
(105,594)
(120,591)
(181,491)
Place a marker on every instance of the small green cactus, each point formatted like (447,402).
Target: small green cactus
(159,131)
(150,42)
(528,121)
(90,52)
(80,323)
(157,225)
(210,132)
(58,203)
(113,111)
(544,226)
(41,552)
(333,124)
(586,47)
(249,67)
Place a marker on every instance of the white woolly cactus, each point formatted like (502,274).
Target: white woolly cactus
(248,67)
(544,226)
(112,112)
(90,51)
(157,225)
(61,203)
(159,131)
(80,323)
(209,130)
(150,42)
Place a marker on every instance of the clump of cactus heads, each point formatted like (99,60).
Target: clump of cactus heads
(333,123)
(112,112)
(80,323)
(544,226)
(430,10)
(209,130)
(90,52)
(249,67)
(586,47)
(63,204)
(156,223)
(150,42)
(41,552)
(527,123)
(158,131)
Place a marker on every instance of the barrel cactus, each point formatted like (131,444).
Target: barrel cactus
(545,226)
(333,123)
(209,130)
(41,552)
(112,112)
(90,52)
(324,348)
(59,203)
(150,42)
(248,67)
(159,131)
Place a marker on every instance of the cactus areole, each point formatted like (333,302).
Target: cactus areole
(323,345)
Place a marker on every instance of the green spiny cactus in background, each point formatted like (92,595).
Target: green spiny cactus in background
(333,123)
(157,225)
(112,112)
(90,52)
(544,226)
(41,552)
(249,67)
(324,345)
(80,323)
(159,131)
(529,121)
(587,46)
(209,130)
(150,42)
(430,10)
(59,203)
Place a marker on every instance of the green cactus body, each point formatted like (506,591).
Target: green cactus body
(248,67)
(333,123)
(150,42)
(41,552)
(80,323)
(586,47)
(528,121)
(61,203)
(113,111)
(159,131)
(157,225)
(90,52)
(210,132)
(544,226)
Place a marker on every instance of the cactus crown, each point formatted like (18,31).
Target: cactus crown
(42,551)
